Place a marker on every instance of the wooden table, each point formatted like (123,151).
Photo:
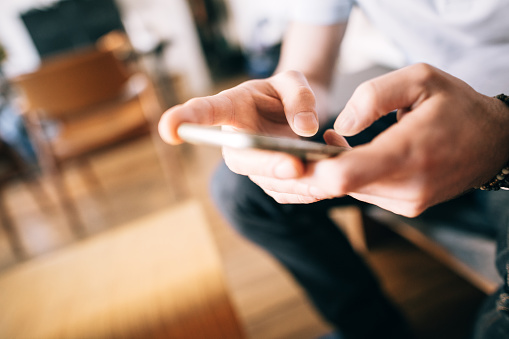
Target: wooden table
(158,277)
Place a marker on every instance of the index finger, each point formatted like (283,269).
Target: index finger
(404,88)
(212,110)
(263,163)
(244,105)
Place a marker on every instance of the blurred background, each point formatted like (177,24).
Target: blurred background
(107,232)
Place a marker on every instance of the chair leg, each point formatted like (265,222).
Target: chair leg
(363,232)
(169,156)
(69,208)
(39,194)
(89,176)
(51,169)
(170,159)
(375,233)
(12,233)
(350,220)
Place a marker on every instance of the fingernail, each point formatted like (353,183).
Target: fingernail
(285,170)
(306,123)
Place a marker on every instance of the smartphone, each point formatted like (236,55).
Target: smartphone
(307,150)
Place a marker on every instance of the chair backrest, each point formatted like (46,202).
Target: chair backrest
(72,82)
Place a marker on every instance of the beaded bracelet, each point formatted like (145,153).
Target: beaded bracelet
(501,180)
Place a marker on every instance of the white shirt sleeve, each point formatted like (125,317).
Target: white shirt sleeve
(321,12)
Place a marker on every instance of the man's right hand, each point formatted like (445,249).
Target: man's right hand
(282,105)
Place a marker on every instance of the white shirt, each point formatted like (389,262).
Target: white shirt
(466,38)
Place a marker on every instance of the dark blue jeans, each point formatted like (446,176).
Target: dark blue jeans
(493,317)
(314,250)
(316,253)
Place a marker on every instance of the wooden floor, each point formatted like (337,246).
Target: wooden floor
(269,303)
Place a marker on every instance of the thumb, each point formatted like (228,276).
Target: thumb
(377,97)
(332,138)
(298,100)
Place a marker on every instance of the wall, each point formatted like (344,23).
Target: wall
(146,21)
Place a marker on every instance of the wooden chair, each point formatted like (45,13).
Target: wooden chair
(470,254)
(447,234)
(76,104)
(10,166)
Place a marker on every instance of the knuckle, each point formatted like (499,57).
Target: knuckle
(279,165)
(414,211)
(419,202)
(368,91)
(338,187)
(367,88)
(409,213)
(243,90)
(197,106)
(194,102)
(232,164)
(279,198)
(305,92)
(247,88)
(344,182)
(409,209)
(425,72)
(293,74)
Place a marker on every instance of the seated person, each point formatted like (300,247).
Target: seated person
(449,135)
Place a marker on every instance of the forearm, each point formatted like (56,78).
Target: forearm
(313,50)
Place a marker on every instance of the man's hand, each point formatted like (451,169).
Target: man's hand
(449,138)
(281,105)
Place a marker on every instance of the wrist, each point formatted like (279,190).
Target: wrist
(501,180)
